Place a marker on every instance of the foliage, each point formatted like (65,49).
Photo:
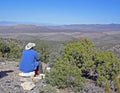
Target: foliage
(4,49)
(15,51)
(65,75)
(80,53)
(107,87)
(80,59)
(9,50)
(117,83)
(44,51)
(47,89)
(106,65)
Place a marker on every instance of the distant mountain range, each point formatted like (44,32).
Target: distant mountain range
(8,23)
(12,23)
(13,27)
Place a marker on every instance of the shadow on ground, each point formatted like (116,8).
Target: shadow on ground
(5,73)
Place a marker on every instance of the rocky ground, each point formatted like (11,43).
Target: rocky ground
(10,82)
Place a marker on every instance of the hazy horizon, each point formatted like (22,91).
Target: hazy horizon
(14,23)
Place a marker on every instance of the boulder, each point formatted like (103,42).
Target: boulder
(28,85)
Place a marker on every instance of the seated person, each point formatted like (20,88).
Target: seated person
(30,60)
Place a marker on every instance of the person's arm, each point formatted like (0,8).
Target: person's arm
(37,56)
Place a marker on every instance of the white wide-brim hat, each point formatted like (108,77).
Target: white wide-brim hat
(29,45)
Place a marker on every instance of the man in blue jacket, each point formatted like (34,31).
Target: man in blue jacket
(30,60)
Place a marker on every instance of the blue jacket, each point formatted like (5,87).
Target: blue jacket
(29,61)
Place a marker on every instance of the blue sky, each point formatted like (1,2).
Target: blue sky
(61,11)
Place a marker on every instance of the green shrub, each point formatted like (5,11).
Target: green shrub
(117,83)
(80,59)
(106,65)
(65,75)
(47,89)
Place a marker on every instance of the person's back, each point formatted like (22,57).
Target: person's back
(29,60)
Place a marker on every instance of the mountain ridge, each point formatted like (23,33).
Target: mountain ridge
(30,28)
